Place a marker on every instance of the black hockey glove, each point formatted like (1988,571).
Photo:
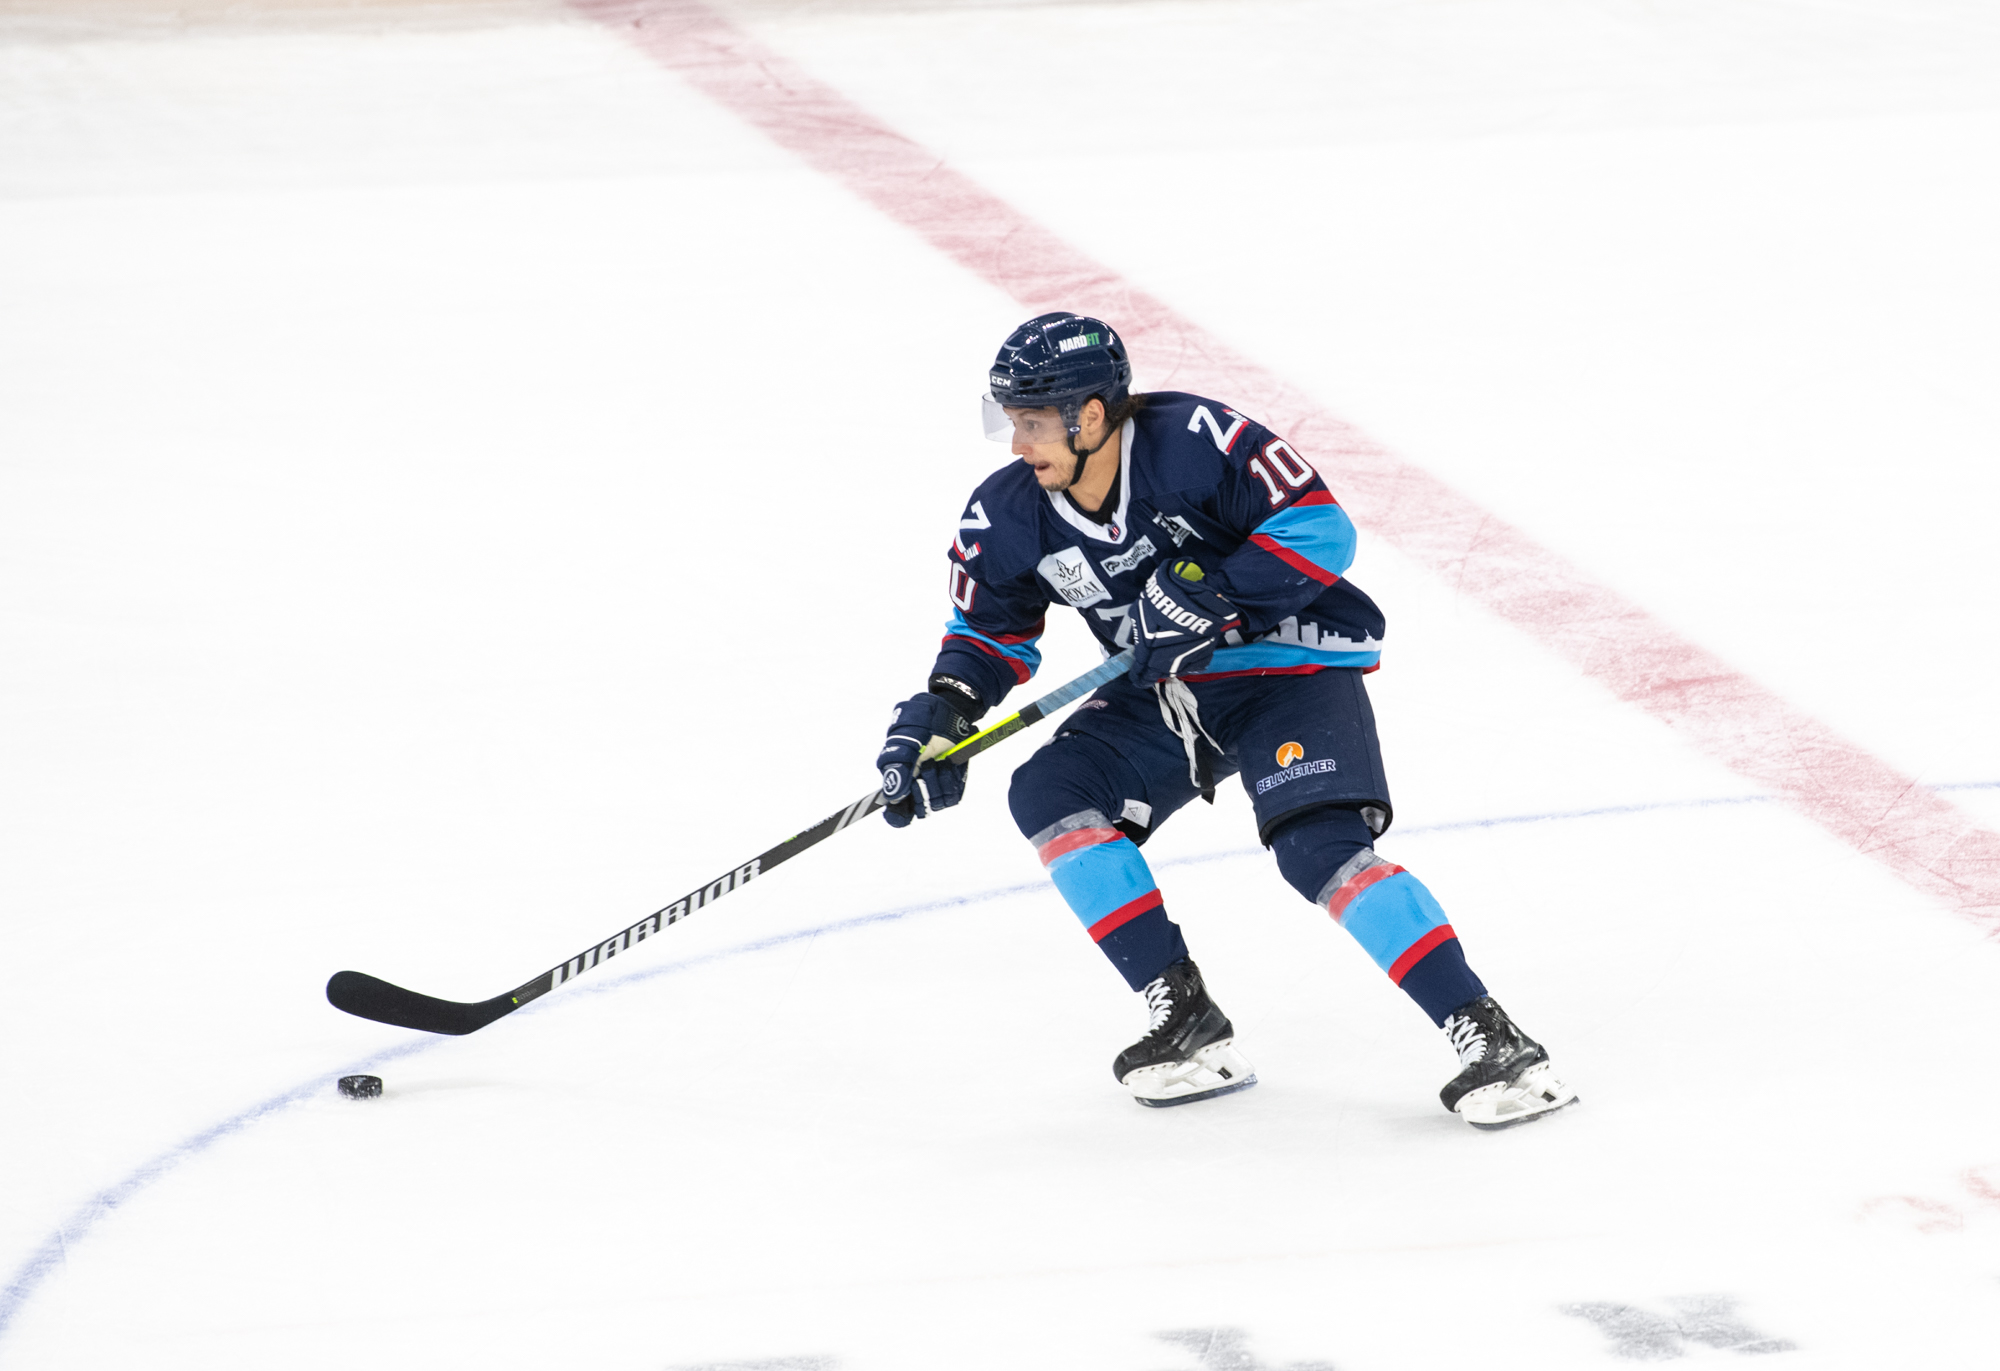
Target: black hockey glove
(1180,623)
(913,792)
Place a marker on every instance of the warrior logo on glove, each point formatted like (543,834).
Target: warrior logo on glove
(1182,620)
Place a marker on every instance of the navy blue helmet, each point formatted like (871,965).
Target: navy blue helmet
(1057,361)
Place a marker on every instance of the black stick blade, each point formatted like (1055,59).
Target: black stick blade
(368,998)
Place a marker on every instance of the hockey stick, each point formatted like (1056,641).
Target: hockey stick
(370,998)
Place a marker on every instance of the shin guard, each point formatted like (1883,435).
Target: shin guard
(1111,890)
(1327,857)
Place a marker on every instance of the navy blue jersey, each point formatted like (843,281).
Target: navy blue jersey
(1197,478)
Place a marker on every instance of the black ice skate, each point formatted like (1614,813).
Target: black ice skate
(1506,1078)
(1186,1054)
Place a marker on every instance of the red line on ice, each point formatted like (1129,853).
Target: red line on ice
(1857,797)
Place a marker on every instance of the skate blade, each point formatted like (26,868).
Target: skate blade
(1218,1069)
(1535,1095)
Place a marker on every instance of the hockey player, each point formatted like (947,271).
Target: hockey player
(1189,533)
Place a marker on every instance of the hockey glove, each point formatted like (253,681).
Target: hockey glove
(910,791)
(1180,623)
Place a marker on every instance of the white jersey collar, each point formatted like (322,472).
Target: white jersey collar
(1119,528)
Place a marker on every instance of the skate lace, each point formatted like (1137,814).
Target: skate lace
(1467,1038)
(1183,719)
(1160,1003)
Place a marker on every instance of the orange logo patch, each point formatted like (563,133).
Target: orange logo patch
(1289,753)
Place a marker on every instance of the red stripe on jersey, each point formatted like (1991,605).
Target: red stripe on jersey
(1021,672)
(1293,560)
(1266,671)
(1119,917)
(1039,627)
(1419,949)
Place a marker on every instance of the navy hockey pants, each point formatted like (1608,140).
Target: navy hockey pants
(1306,750)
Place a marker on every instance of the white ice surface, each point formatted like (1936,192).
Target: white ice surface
(426,432)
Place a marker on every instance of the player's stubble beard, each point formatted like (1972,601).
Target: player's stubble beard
(1062,483)
(1077,462)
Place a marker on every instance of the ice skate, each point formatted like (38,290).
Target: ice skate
(1506,1078)
(1187,1053)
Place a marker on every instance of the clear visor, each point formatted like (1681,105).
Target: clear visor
(1005,425)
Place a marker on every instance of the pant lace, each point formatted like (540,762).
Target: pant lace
(1182,714)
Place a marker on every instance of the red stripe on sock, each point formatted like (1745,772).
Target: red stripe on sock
(1860,799)
(1074,839)
(1343,897)
(1123,915)
(1418,951)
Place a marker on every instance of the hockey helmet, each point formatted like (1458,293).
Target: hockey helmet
(1055,361)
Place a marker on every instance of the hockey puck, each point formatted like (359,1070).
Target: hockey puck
(361,1087)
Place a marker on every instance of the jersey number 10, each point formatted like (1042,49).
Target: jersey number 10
(1278,455)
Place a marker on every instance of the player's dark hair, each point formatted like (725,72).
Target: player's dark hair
(1114,419)
(1127,407)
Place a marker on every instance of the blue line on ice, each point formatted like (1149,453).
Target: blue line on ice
(54,1249)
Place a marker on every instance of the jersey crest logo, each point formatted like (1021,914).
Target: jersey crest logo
(1289,753)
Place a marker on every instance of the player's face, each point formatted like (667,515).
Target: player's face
(1041,439)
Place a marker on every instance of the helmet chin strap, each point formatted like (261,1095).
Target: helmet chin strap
(1069,441)
(1082,457)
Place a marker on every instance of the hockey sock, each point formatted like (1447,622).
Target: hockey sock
(1111,889)
(1328,856)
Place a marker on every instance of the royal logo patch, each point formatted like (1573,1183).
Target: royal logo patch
(1069,574)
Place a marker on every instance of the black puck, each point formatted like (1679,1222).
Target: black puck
(361,1087)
